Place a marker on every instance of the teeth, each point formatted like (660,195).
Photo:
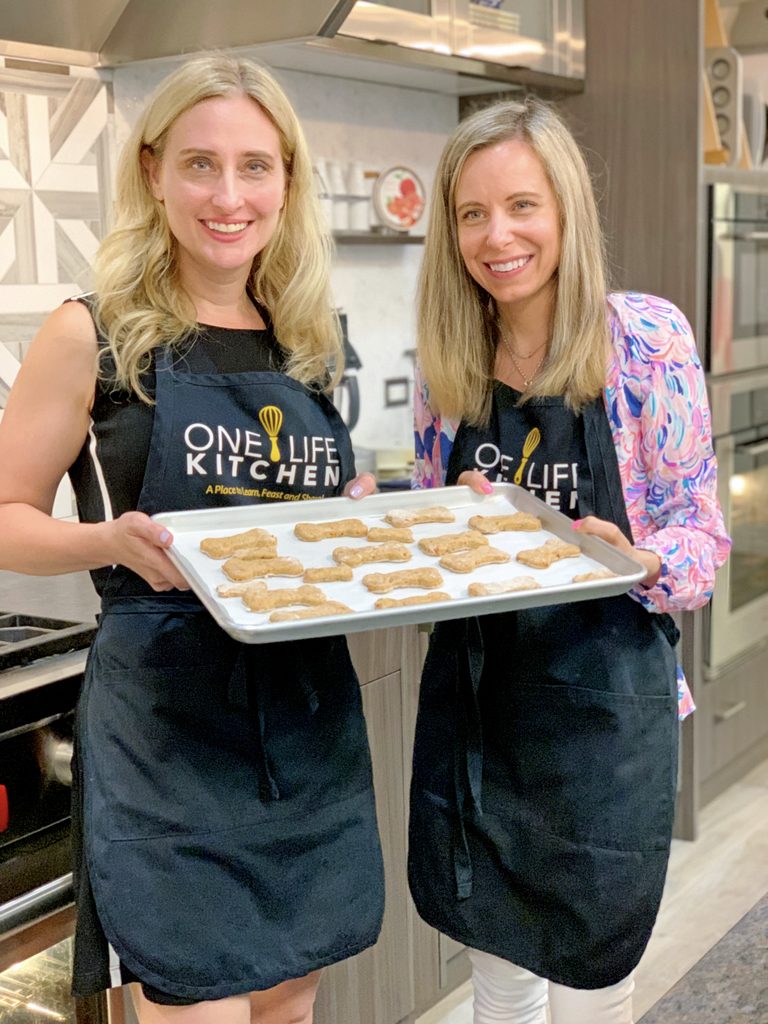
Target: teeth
(228,229)
(501,268)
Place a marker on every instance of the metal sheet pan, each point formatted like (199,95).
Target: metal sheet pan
(205,574)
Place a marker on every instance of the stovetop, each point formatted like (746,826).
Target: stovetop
(25,638)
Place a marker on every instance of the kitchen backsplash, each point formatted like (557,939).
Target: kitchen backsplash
(59,134)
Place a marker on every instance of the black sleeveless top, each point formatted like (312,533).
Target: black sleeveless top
(108,472)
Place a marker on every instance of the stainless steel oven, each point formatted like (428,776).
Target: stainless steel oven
(738,614)
(41,669)
(738,277)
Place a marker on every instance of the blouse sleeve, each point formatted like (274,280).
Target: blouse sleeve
(433,439)
(677,515)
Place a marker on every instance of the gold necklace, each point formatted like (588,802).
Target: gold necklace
(515,363)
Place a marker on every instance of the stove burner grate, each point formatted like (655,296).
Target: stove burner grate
(25,638)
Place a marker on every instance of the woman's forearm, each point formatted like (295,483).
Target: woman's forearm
(33,542)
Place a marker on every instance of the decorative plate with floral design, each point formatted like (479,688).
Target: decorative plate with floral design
(399,198)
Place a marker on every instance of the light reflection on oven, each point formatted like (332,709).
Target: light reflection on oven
(748,488)
(38,989)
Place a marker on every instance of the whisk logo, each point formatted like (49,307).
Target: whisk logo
(272,453)
(556,483)
(271,418)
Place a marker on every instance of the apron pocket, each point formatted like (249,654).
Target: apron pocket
(167,751)
(587,765)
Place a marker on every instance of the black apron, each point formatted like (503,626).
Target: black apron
(545,756)
(227,806)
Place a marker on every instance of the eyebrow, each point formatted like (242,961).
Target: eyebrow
(525,194)
(201,151)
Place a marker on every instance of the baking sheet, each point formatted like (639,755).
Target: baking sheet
(205,574)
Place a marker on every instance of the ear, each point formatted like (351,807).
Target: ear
(151,166)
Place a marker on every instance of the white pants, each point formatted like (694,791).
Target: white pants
(506,994)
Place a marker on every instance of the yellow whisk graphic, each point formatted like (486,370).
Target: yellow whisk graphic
(530,445)
(271,418)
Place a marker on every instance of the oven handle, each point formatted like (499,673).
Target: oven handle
(749,236)
(31,906)
(754,447)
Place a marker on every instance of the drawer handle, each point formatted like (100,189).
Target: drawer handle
(731,712)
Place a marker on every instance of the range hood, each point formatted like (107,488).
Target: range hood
(339,37)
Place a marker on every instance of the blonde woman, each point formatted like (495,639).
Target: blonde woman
(545,758)
(223,819)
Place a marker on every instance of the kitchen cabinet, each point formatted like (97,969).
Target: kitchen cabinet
(411,967)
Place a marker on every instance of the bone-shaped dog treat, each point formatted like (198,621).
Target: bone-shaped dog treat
(402,602)
(587,577)
(412,517)
(238,589)
(498,524)
(372,553)
(383,582)
(266,550)
(503,587)
(331,528)
(551,551)
(466,561)
(328,574)
(448,542)
(382,534)
(252,568)
(225,547)
(268,600)
(315,612)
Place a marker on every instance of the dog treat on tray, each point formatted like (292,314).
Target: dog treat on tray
(503,587)
(315,612)
(466,561)
(331,528)
(225,547)
(268,600)
(381,534)
(586,577)
(268,549)
(238,589)
(373,553)
(412,517)
(551,551)
(497,524)
(403,602)
(252,568)
(328,574)
(448,542)
(382,582)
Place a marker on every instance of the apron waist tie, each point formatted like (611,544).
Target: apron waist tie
(468,755)
(247,696)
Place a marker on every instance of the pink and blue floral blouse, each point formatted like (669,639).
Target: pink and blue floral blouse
(656,401)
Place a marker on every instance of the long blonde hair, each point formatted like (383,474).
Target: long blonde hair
(139,301)
(457,319)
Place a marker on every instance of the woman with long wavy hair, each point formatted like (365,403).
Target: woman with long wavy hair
(545,757)
(224,827)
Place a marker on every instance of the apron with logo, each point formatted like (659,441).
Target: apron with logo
(546,743)
(227,806)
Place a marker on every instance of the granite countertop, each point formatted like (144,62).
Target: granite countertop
(70,596)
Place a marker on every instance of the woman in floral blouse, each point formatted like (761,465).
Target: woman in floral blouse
(545,760)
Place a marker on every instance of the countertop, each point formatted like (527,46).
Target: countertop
(70,596)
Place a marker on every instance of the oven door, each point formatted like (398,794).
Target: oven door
(738,613)
(738,282)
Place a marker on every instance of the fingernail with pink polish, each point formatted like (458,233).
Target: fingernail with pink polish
(165,537)
(577,523)
(487,486)
(356,491)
